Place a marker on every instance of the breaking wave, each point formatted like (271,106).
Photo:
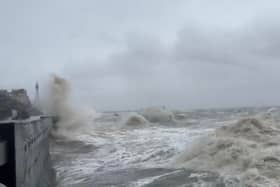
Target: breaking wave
(248,150)
(158,115)
(135,120)
(70,118)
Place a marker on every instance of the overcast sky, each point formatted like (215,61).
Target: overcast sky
(128,54)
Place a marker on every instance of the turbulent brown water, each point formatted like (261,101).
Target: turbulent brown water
(248,150)
(159,147)
(238,147)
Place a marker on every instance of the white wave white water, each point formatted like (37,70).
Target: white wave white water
(248,150)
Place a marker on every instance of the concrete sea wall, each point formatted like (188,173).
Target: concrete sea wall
(26,158)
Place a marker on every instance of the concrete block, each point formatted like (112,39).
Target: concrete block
(3,152)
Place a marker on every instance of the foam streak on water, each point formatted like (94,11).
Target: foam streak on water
(149,147)
(158,147)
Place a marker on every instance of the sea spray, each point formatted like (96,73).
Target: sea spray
(70,119)
(248,150)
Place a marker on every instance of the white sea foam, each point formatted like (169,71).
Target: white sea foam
(248,150)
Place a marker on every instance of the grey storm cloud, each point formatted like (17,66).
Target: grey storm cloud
(130,54)
(199,64)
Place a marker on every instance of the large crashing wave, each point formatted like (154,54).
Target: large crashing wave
(248,150)
(71,118)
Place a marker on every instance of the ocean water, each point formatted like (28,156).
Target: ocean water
(158,147)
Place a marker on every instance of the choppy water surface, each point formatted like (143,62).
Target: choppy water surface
(125,149)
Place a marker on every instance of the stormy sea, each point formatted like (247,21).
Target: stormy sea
(158,147)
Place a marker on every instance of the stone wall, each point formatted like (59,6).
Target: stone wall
(33,162)
(29,163)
